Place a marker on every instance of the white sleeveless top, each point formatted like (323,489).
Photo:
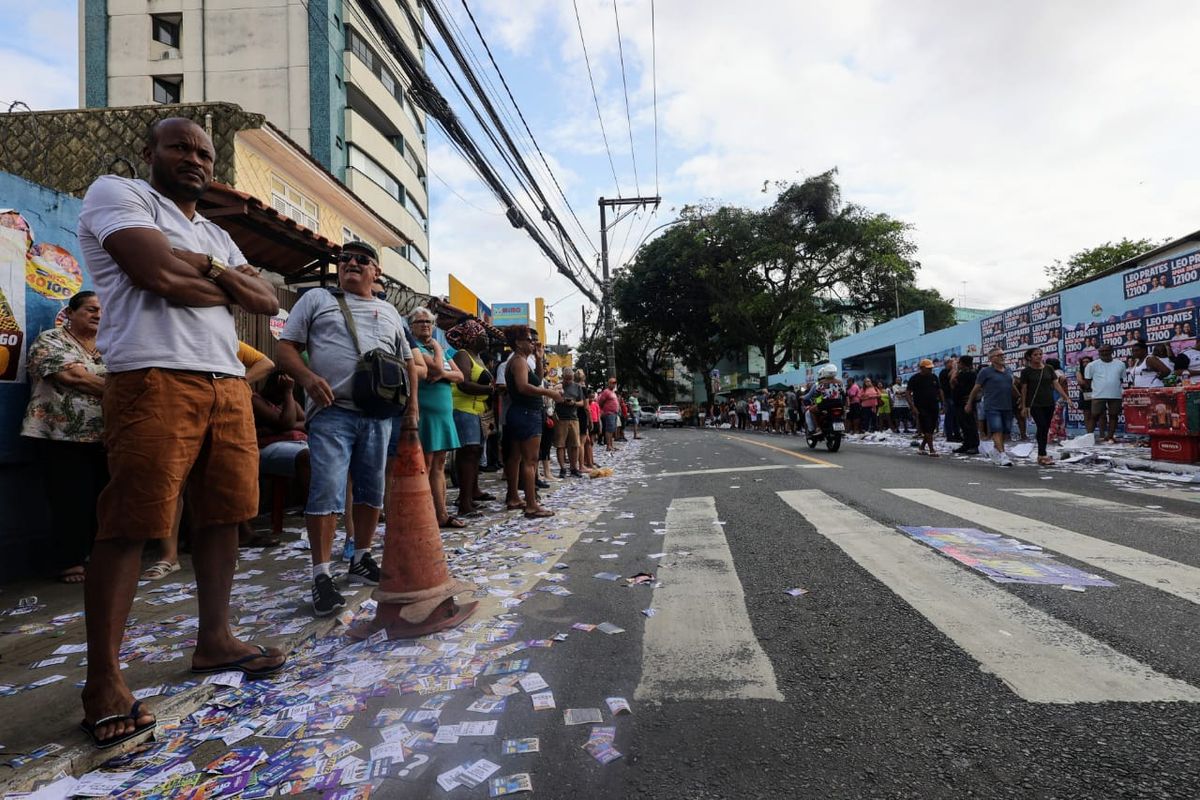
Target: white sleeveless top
(1144,378)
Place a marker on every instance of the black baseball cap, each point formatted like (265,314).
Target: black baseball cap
(361,247)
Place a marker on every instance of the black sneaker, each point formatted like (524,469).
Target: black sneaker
(365,571)
(541,484)
(326,599)
(562,474)
(576,473)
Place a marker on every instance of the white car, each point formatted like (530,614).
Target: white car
(667,415)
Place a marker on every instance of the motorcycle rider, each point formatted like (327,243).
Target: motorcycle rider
(827,387)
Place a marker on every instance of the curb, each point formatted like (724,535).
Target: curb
(1159,466)
(82,758)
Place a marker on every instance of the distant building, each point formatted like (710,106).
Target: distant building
(971,314)
(314,68)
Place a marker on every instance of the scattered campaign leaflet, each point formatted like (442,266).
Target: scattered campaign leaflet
(1002,559)
(510,747)
(582,716)
(510,784)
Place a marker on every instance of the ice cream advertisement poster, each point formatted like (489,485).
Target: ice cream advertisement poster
(14,242)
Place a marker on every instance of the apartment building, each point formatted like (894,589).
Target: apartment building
(315,69)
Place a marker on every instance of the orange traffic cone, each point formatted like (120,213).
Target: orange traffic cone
(415,592)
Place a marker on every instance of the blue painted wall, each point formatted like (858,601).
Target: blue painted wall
(23,524)
(882,336)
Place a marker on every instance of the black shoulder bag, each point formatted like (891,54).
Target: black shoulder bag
(380,384)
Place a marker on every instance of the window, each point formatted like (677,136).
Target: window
(417,258)
(167,89)
(356,44)
(371,168)
(349,236)
(165,29)
(290,202)
(415,210)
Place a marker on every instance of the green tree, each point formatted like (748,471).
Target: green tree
(643,359)
(1092,262)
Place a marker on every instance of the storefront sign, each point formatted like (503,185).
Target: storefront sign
(506,314)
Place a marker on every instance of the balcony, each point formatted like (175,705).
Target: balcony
(366,136)
(371,100)
(386,206)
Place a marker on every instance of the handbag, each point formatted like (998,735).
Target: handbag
(379,386)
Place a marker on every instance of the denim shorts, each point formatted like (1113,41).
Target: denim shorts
(470,430)
(610,423)
(342,442)
(279,458)
(522,424)
(999,421)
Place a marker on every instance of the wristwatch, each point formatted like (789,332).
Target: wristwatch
(216,268)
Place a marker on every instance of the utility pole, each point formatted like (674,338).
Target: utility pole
(634,204)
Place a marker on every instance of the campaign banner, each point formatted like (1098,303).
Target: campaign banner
(1015,318)
(1177,329)
(1045,309)
(1080,340)
(1018,338)
(1175,271)
(1046,335)
(991,330)
(1123,332)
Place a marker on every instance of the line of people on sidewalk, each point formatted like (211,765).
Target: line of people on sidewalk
(167,411)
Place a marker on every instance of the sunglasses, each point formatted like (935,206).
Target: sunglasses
(422,322)
(359,258)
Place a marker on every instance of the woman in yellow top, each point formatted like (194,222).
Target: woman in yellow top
(470,398)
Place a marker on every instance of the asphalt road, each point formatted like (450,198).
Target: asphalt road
(874,699)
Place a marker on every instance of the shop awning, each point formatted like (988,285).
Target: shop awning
(267,238)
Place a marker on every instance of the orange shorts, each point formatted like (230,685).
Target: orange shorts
(164,428)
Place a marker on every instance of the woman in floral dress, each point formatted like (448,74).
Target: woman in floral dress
(64,420)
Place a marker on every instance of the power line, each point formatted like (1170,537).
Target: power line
(625,85)
(596,97)
(520,166)
(450,188)
(537,147)
(654,74)
(427,96)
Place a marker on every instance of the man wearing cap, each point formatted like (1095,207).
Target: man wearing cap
(995,384)
(610,409)
(924,395)
(341,439)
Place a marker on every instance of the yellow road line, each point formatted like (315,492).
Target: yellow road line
(793,453)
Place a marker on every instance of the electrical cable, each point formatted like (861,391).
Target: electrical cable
(519,166)
(427,96)
(654,75)
(524,122)
(596,97)
(625,85)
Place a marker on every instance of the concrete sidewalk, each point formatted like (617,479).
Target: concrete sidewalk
(42,663)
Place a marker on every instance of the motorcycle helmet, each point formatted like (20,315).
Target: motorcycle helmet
(827,371)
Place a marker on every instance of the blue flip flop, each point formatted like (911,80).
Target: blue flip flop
(134,712)
(240,666)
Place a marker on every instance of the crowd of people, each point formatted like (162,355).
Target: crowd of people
(146,403)
(965,401)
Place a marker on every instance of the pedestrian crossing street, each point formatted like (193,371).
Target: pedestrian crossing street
(701,632)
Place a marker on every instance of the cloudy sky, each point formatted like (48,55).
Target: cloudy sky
(1007,134)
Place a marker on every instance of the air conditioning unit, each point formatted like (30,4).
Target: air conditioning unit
(169,54)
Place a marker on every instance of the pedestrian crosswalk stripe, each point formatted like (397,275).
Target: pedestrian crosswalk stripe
(699,645)
(1040,658)
(1160,573)
(1166,519)
(718,470)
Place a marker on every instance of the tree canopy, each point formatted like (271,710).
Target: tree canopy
(1093,261)
(780,278)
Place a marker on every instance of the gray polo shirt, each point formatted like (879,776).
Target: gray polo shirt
(139,329)
(317,325)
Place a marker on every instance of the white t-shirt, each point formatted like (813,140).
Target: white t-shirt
(317,325)
(139,329)
(1107,379)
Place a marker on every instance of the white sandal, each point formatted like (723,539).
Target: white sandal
(160,569)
